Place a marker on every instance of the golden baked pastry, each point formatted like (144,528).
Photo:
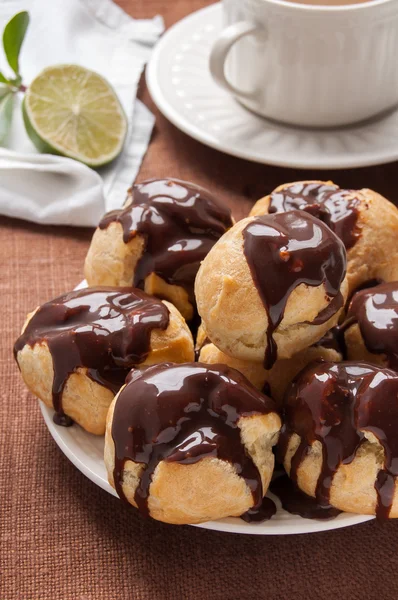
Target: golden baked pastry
(201,339)
(366,222)
(371,326)
(191,443)
(254,371)
(75,352)
(158,240)
(272,286)
(339,439)
(276,380)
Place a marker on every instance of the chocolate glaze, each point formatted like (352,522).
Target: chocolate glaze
(105,330)
(337,208)
(331,340)
(335,403)
(183,413)
(335,338)
(199,347)
(285,250)
(296,502)
(375,310)
(180,223)
(265,512)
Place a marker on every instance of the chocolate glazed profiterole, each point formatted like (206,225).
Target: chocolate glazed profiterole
(337,208)
(105,331)
(282,255)
(366,222)
(184,415)
(371,327)
(158,240)
(351,410)
(272,286)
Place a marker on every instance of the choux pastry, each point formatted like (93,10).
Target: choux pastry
(191,443)
(158,240)
(272,286)
(339,440)
(75,352)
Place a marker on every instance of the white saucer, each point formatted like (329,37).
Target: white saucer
(181,86)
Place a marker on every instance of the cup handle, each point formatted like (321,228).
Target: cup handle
(220,51)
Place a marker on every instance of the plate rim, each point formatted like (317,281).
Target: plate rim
(190,129)
(47,414)
(222,525)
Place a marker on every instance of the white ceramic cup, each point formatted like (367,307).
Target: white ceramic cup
(309,65)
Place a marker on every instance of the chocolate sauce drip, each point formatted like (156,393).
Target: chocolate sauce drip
(183,413)
(337,208)
(297,502)
(105,330)
(335,403)
(331,340)
(376,312)
(265,512)
(180,223)
(285,250)
(199,347)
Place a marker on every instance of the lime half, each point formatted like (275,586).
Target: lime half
(75,112)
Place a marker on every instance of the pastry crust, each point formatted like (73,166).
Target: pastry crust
(375,253)
(353,487)
(110,261)
(232,311)
(206,490)
(281,374)
(84,400)
(254,371)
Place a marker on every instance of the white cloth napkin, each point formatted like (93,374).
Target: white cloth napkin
(100,36)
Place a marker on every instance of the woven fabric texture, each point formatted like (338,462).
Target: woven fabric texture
(61,537)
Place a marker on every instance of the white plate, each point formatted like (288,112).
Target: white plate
(86,452)
(180,84)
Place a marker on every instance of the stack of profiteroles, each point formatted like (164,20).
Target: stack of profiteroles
(295,314)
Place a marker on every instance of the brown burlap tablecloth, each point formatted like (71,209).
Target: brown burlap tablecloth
(61,537)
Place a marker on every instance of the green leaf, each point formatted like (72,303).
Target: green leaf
(6,108)
(16,82)
(3,79)
(13,37)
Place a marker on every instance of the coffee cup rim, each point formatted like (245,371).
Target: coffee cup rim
(365,5)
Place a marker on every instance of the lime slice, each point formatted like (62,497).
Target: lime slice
(75,112)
